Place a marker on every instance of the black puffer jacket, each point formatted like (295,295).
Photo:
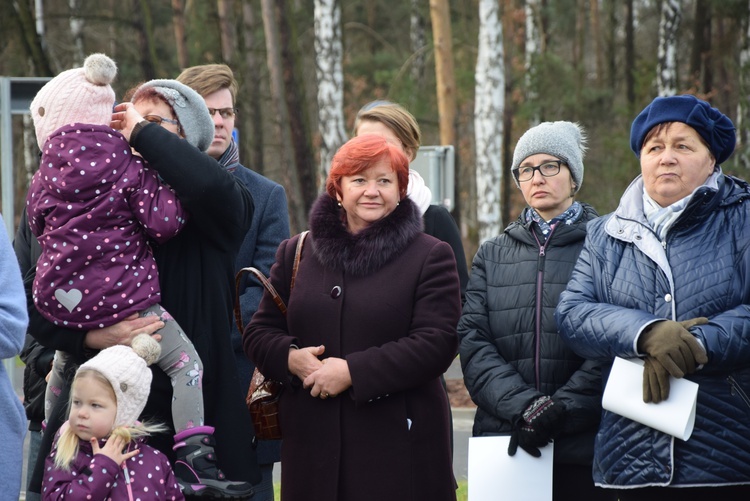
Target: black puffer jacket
(510,350)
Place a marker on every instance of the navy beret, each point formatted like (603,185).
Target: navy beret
(716,129)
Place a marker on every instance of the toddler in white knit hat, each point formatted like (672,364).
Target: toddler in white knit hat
(102,441)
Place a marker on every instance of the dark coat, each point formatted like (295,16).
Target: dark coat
(196,272)
(38,358)
(269,228)
(439,223)
(509,359)
(387,301)
(626,279)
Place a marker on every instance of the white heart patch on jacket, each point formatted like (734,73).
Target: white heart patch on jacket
(69,299)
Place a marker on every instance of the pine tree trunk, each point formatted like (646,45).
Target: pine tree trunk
(178,19)
(276,84)
(488,119)
(446,79)
(251,117)
(417,40)
(630,56)
(742,154)
(596,36)
(296,104)
(533,48)
(227,30)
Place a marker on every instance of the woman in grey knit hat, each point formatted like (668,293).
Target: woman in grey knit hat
(525,381)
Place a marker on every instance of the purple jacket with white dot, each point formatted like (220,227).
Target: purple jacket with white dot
(94,207)
(98,477)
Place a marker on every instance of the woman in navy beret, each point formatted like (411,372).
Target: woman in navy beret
(665,278)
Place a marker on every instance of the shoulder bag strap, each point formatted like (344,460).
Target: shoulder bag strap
(266,283)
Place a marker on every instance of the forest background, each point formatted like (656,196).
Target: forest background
(475,73)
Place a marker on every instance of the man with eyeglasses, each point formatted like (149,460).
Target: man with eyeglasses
(270,226)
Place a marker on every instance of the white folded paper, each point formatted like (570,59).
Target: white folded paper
(623,395)
(495,476)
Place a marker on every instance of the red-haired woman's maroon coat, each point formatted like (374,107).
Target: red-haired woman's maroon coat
(386,300)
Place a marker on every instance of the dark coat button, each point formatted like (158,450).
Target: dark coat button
(335,292)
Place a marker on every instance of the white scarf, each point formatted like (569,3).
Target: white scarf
(418,191)
(662,218)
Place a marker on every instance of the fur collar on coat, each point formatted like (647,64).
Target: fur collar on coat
(369,250)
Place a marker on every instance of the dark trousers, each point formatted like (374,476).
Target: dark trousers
(729,493)
(572,482)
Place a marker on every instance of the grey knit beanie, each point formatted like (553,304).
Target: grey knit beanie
(564,140)
(190,108)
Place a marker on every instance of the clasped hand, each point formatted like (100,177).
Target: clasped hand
(324,378)
(672,350)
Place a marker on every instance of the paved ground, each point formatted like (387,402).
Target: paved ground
(463,419)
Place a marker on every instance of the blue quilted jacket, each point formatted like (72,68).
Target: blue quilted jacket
(626,279)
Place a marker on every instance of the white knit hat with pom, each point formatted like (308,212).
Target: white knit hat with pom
(126,369)
(81,95)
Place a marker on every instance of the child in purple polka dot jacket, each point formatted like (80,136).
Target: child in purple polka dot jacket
(95,207)
(100,452)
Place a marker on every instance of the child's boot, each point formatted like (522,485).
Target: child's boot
(196,469)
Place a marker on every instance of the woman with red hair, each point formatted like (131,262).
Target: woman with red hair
(370,328)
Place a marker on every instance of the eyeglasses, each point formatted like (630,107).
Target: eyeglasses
(156,119)
(226,113)
(547,169)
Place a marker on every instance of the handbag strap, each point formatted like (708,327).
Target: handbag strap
(267,283)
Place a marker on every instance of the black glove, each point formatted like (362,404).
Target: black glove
(540,423)
(655,381)
(676,349)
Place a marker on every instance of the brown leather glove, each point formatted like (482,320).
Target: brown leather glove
(655,381)
(673,346)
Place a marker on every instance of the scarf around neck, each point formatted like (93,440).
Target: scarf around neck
(230,160)
(569,216)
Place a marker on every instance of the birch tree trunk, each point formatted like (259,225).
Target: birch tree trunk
(76,24)
(180,38)
(446,79)
(330,77)
(534,47)
(288,172)
(666,70)
(743,106)
(488,119)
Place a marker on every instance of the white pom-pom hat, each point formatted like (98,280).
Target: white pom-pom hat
(126,369)
(81,95)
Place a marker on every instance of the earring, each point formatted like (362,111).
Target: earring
(338,203)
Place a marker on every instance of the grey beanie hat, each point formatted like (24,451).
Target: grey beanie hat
(190,108)
(564,140)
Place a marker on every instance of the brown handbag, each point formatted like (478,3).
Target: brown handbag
(263,395)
